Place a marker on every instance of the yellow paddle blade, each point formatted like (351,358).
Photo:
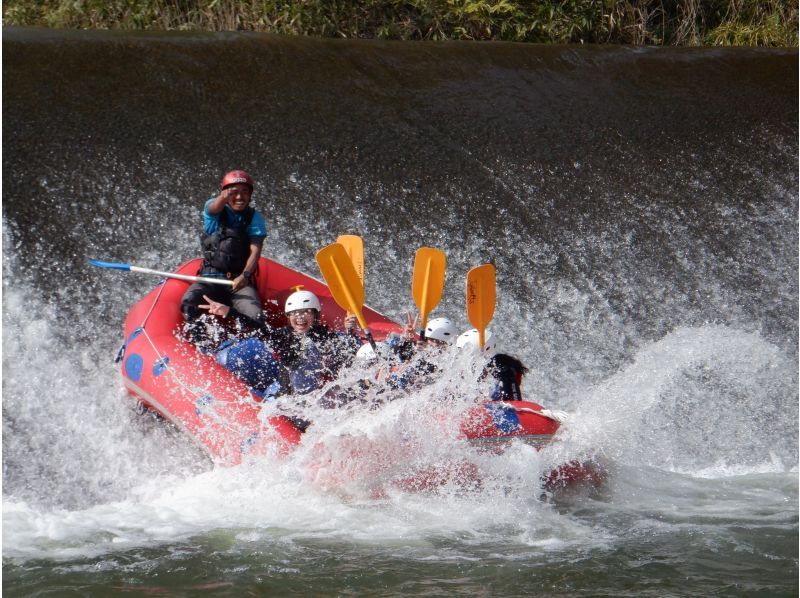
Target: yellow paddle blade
(427,283)
(481,297)
(342,280)
(354,247)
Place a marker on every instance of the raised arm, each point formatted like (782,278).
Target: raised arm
(219,202)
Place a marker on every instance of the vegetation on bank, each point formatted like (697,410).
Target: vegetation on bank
(652,22)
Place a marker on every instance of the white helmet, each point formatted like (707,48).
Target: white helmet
(441,329)
(470,339)
(301,300)
(366,353)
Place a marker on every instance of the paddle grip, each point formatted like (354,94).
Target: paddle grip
(371,340)
(111,265)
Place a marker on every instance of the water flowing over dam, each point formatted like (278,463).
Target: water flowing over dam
(640,205)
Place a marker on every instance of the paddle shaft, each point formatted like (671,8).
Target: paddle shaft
(481,325)
(186,277)
(425,286)
(139,269)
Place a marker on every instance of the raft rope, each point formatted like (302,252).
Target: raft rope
(141,327)
(198,394)
(558,416)
(161,284)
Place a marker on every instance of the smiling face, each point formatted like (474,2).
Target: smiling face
(238,196)
(301,320)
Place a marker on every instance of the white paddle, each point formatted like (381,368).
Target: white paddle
(129,268)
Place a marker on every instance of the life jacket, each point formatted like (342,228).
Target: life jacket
(311,360)
(309,372)
(226,251)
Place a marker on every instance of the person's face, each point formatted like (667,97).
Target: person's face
(301,320)
(238,197)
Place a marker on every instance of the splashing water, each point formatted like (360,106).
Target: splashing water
(699,400)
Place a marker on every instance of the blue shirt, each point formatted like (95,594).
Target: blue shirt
(256,230)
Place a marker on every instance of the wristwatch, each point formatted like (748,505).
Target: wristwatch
(247,274)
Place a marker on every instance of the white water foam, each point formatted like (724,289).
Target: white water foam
(84,476)
(266,501)
(147,491)
(70,436)
(698,401)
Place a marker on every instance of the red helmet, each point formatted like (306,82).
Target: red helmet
(237,176)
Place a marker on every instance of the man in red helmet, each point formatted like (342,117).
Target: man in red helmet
(232,238)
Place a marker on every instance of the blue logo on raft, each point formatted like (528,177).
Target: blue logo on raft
(248,443)
(134,334)
(159,366)
(200,407)
(505,419)
(133,366)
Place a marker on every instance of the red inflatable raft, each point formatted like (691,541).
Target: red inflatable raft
(200,397)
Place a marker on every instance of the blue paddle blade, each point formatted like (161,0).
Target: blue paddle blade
(113,265)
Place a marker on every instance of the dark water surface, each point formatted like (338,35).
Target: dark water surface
(640,206)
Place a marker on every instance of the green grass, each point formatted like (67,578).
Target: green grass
(651,22)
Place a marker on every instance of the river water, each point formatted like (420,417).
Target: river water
(640,206)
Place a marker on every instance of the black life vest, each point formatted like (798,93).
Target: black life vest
(226,251)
